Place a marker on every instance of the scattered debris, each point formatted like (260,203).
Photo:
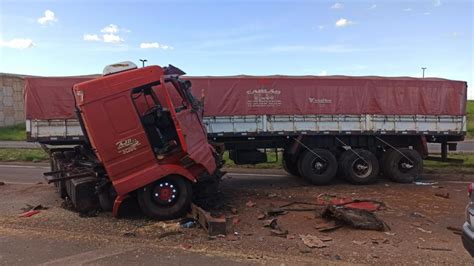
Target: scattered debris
(272,223)
(420,215)
(129,234)
(379,240)
(2,183)
(29,213)
(161,229)
(261,216)
(435,248)
(233,210)
(455,230)
(425,183)
(276,212)
(272,195)
(389,233)
(423,230)
(359,242)
(213,225)
(188,223)
(363,204)
(250,204)
(356,218)
(328,226)
(442,195)
(325,238)
(279,232)
(313,241)
(38,207)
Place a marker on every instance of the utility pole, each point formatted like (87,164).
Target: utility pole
(423,68)
(143,62)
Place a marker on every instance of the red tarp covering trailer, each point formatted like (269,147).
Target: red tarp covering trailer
(51,97)
(333,95)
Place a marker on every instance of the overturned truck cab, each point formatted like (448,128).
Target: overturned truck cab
(144,140)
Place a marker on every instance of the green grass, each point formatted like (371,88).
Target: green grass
(470,118)
(16,132)
(467,157)
(23,155)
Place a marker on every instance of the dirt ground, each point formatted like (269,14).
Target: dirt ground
(418,221)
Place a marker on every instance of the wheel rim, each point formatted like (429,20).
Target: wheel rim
(404,165)
(361,168)
(165,193)
(319,166)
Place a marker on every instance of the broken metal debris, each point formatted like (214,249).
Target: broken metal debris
(213,225)
(356,218)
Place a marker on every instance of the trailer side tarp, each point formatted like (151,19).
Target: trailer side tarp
(336,95)
(51,98)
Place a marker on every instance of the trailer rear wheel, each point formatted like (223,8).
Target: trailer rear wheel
(402,168)
(290,164)
(318,166)
(359,166)
(166,199)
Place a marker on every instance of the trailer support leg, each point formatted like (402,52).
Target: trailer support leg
(444,151)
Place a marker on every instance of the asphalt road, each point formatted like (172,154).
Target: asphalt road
(23,247)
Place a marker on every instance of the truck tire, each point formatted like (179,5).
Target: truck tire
(167,198)
(290,164)
(56,157)
(358,171)
(318,169)
(398,168)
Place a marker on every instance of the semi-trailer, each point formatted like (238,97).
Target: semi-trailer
(357,127)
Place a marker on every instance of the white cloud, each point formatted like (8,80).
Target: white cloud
(112,28)
(155,45)
(342,22)
(437,3)
(17,43)
(323,73)
(112,38)
(110,34)
(337,6)
(91,37)
(48,18)
(321,27)
(373,6)
(407,9)
(427,13)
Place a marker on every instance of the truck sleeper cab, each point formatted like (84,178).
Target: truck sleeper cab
(139,144)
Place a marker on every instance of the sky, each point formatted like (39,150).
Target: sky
(385,38)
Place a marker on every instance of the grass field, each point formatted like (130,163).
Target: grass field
(470,118)
(13,133)
(23,155)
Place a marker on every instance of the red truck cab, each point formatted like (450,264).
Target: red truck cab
(146,130)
